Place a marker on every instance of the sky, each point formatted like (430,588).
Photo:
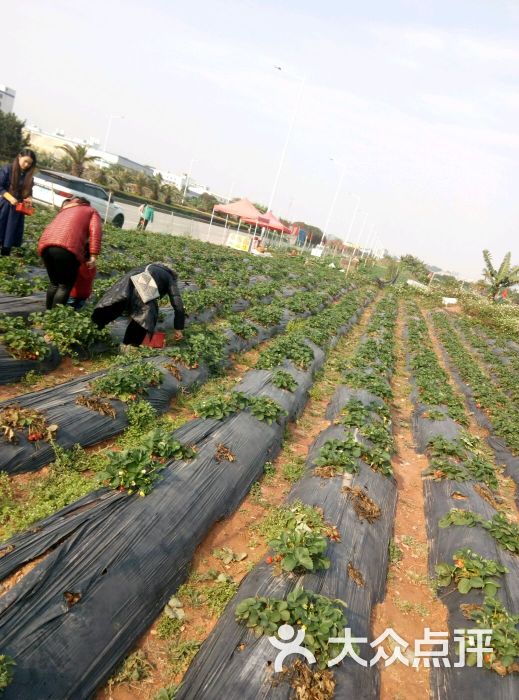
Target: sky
(411,106)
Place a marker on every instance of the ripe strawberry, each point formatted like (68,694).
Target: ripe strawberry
(269,560)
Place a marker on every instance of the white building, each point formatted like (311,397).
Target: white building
(7,96)
(178,181)
(105,159)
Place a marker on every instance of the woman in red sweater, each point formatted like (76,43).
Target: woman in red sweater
(72,237)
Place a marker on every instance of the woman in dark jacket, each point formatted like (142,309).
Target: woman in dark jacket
(15,187)
(122,297)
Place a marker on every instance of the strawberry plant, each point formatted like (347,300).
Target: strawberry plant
(301,550)
(505,532)
(379,460)
(242,328)
(136,469)
(354,414)
(284,380)
(200,346)
(470,571)
(341,453)
(217,407)
(492,615)
(15,286)
(322,618)
(127,379)
(15,419)
(365,378)
(69,330)
(7,665)
(289,347)
(265,409)
(457,516)
(21,341)
(266,314)
(378,435)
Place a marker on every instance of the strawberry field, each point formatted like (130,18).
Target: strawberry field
(319,451)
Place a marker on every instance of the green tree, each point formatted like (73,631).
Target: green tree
(415,267)
(78,158)
(205,202)
(46,159)
(154,185)
(120,177)
(171,194)
(12,139)
(261,207)
(141,182)
(503,278)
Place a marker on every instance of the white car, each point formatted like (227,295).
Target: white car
(51,187)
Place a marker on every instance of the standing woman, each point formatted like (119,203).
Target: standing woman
(73,237)
(15,187)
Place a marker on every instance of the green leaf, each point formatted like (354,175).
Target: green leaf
(464,585)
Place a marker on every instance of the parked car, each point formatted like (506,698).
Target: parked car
(52,187)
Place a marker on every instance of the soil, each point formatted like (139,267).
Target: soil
(410,604)
(235,532)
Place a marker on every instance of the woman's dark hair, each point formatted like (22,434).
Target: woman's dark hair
(18,189)
(80,200)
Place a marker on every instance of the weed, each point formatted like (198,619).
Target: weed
(269,472)
(181,654)
(407,607)
(168,627)
(293,471)
(395,553)
(169,693)
(134,668)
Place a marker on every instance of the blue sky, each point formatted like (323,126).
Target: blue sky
(418,102)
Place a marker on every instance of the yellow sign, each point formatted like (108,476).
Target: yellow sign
(238,241)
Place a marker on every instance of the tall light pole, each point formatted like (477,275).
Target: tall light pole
(357,245)
(112,117)
(354,213)
(193,161)
(369,241)
(287,140)
(334,200)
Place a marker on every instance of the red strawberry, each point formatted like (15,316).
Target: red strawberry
(269,560)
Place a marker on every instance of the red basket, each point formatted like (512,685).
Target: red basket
(25,209)
(157,340)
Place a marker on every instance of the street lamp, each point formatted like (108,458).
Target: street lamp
(112,117)
(334,200)
(193,160)
(287,140)
(357,245)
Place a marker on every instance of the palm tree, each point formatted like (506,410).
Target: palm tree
(120,176)
(78,158)
(141,182)
(155,184)
(503,278)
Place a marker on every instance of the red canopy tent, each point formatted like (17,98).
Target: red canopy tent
(243,210)
(270,221)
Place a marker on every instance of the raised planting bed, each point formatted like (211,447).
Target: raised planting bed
(473,547)
(112,560)
(330,553)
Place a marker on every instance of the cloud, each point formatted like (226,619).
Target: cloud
(448,105)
